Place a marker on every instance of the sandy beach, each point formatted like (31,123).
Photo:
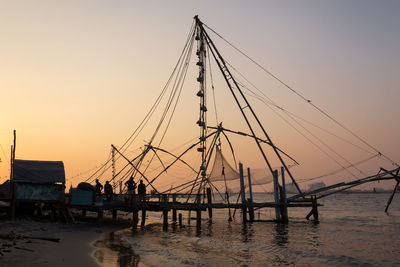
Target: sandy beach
(75,246)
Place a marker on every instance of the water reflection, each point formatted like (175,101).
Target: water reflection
(247,232)
(281,237)
(113,251)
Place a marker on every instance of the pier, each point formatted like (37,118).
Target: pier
(169,206)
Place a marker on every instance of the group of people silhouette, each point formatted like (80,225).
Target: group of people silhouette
(131,186)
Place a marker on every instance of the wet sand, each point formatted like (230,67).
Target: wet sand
(111,250)
(75,247)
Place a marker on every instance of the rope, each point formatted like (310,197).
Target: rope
(303,97)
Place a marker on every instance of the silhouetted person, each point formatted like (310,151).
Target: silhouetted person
(98,187)
(142,192)
(131,189)
(108,190)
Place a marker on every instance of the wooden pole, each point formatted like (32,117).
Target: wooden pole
(391,196)
(276,196)
(165,212)
(135,215)
(198,211)
(99,216)
(143,216)
(285,215)
(315,208)
(12,183)
(174,210)
(250,187)
(209,200)
(250,200)
(242,192)
(180,219)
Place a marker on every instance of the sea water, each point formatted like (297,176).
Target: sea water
(353,230)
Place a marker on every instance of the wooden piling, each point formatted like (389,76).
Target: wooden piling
(99,216)
(143,221)
(282,205)
(251,209)
(243,194)
(250,200)
(174,210)
(285,215)
(165,212)
(114,214)
(180,219)
(209,200)
(198,211)
(276,196)
(315,208)
(392,195)
(135,211)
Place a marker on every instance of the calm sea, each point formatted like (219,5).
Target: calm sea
(353,230)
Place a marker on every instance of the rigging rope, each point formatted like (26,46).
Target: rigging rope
(301,125)
(303,97)
(336,171)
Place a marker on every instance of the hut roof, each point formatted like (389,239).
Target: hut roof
(36,171)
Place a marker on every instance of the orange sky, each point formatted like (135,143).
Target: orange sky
(77,77)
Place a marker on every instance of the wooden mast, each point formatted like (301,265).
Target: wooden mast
(229,77)
(202,122)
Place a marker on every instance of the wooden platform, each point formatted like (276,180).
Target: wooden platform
(162,204)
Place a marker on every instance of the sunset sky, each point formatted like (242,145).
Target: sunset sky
(78,76)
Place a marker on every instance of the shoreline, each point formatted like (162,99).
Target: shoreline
(112,250)
(76,246)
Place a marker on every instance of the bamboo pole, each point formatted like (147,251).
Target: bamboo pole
(276,196)
(285,215)
(250,200)
(12,182)
(243,195)
(209,200)
(165,212)
(174,210)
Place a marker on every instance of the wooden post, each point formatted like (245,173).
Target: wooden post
(135,211)
(276,196)
(174,210)
(285,216)
(198,212)
(165,213)
(143,216)
(315,208)
(99,216)
(180,219)
(251,209)
(282,205)
(242,193)
(250,188)
(114,214)
(392,195)
(209,200)
(250,200)
(12,183)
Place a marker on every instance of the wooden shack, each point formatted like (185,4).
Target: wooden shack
(36,180)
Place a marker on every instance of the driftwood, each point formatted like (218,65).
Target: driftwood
(12,236)
(26,249)
(51,239)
